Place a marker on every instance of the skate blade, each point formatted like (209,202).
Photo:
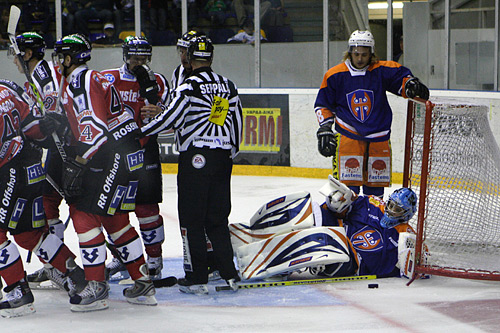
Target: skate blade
(119,276)
(96,306)
(18,312)
(46,285)
(195,290)
(126,281)
(143,300)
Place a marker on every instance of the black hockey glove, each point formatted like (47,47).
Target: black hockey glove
(326,141)
(51,123)
(415,88)
(72,178)
(147,83)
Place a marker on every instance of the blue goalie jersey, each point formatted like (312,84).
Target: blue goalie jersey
(376,247)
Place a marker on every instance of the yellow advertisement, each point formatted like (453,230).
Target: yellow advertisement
(262,129)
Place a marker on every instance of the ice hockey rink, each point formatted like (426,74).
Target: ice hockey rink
(437,304)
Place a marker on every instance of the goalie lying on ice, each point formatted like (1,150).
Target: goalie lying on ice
(346,235)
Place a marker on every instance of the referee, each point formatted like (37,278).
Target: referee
(205,112)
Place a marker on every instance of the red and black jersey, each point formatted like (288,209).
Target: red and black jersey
(127,85)
(17,121)
(95,111)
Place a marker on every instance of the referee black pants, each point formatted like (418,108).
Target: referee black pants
(204,204)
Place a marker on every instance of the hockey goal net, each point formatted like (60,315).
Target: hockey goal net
(452,162)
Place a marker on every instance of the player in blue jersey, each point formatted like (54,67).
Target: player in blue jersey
(353,96)
(372,226)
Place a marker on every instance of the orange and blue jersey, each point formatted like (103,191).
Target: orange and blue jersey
(377,247)
(357,98)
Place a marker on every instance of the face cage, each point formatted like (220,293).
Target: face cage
(392,209)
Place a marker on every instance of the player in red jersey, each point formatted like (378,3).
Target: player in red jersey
(139,86)
(100,180)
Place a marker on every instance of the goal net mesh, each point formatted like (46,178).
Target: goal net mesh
(459,220)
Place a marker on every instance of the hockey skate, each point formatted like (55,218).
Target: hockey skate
(18,300)
(155,265)
(189,287)
(143,291)
(47,277)
(93,298)
(233,283)
(75,281)
(116,270)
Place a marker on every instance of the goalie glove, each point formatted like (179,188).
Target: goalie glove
(415,88)
(339,197)
(72,177)
(327,144)
(147,83)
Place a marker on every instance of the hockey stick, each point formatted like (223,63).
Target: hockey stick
(15,14)
(169,281)
(298,282)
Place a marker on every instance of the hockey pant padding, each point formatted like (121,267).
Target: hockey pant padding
(11,267)
(279,216)
(152,230)
(51,203)
(53,251)
(293,251)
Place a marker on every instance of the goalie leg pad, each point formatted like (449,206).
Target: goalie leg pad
(293,251)
(279,216)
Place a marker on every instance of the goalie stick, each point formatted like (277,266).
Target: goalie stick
(298,282)
(15,14)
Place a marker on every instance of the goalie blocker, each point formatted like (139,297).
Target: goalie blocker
(344,236)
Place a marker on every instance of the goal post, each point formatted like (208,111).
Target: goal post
(452,162)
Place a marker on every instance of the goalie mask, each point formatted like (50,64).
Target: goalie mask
(400,208)
(362,38)
(138,46)
(32,41)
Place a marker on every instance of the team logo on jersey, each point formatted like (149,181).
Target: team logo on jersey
(42,73)
(35,173)
(367,239)
(110,77)
(198,161)
(360,103)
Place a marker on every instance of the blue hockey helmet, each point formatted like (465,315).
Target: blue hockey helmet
(400,208)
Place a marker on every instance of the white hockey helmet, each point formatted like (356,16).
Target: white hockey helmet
(362,38)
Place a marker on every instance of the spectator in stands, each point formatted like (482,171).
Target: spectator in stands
(216,10)
(247,34)
(109,39)
(276,15)
(158,14)
(69,8)
(4,37)
(37,11)
(93,9)
(192,13)
(244,8)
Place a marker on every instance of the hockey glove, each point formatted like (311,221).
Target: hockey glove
(326,141)
(51,123)
(415,88)
(147,83)
(72,178)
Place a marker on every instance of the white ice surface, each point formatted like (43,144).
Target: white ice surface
(435,305)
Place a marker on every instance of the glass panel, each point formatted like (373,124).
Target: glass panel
(472,45)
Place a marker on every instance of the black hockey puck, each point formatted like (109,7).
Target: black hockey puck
(373,285)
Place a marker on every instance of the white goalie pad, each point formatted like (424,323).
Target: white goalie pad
(286,253)
(281,215)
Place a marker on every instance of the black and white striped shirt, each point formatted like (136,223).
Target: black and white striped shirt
(178,76)
(205,111)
